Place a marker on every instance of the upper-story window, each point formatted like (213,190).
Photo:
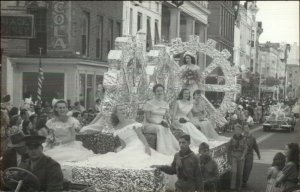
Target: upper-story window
(99,38)
(85,31)
(156,37)
(157,6)
(40,31)
(139,21)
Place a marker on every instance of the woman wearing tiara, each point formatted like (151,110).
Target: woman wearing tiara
(190,72)
(61,144)
(182,118)
(134,151)
(156,121)
(201,122)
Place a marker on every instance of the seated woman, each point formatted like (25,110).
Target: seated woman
(62,146)
(200,121)
(182,115)
(134,151)
(155,111)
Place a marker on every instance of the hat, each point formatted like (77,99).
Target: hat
(34,140)
(16,140)
(241,107)
(189,53)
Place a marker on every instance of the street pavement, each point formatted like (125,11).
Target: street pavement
(269,144)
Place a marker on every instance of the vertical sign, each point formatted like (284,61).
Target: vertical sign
(60,35)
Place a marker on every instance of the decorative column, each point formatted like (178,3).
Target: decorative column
(174,28)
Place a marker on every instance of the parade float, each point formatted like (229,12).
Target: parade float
(131,75)
(280,117)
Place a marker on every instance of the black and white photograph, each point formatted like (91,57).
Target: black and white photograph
(150,96)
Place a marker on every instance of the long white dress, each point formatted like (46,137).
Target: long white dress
(205,125)
(193,85)
(166,141)
(197,137)
(131,156)
(71,151)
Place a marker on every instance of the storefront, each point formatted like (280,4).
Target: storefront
(70,79)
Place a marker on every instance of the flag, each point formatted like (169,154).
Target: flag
(40,79)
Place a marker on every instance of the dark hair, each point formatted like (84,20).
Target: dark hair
(193,60)
(31,118)
(293,155)
(97,100)
(180,95)
(25,125)
(279,160)
(156,86)
(55,105)
(75,114)
(41,122)
(196,92)
(6,98)
(186,137)
(23,112)
(76,103)
(204,145)
(14,111)
(13,120)
(114,118)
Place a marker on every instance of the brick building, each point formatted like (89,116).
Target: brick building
(75,37)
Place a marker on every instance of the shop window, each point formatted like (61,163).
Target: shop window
(89,84)
(40,31)
(53,85)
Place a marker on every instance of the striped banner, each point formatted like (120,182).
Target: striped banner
(40,78)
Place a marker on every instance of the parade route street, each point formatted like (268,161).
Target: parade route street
(269,144)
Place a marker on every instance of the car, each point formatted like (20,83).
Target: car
(283,124)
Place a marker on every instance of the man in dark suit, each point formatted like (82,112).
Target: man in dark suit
(47,170)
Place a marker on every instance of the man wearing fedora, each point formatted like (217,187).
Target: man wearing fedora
(15,153)
(47,170)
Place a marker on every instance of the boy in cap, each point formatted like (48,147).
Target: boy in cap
(186,166)
(43,167)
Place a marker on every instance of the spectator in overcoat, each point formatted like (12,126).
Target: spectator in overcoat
(251,146)
(237,150)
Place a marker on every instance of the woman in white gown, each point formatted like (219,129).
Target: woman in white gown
(134,151)
(200,121)
(155,122)
(61,144)
(189,64)
(182,115)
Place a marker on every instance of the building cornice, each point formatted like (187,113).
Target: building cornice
(53,61)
